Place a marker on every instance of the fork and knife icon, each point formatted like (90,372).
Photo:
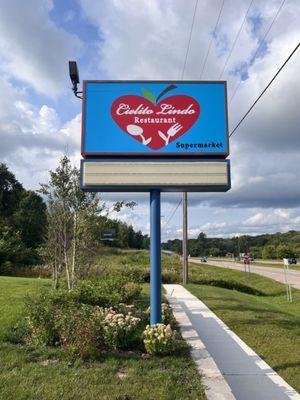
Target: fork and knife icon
(170,133)
(136,130)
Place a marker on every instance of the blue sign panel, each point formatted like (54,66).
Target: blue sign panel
(154,118)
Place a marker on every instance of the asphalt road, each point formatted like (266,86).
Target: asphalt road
(274,273)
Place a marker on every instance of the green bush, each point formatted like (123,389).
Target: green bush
(109,291)
(131,292)
(171,276)
(17,333)
(41,326)
(160,339)
(119,330)
(6,268)
(78,330)
(100,293)
(166,314)
(78,320)
(55,318)
(40,313)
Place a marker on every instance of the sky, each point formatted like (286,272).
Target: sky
(40,119)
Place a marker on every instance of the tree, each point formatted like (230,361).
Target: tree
(12,248)
(30,219)
(68,205)
(215,252)
(199,246)
(269,252)
(131,237)
(139,240)
(22,221)
(10,192)
(74,221)
(285,251)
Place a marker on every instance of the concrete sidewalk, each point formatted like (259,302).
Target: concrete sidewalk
(229,368)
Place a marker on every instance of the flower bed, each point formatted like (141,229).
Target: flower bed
(89,320)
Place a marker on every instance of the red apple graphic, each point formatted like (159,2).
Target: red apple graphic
(155,125)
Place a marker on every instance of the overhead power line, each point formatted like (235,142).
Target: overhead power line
(190,38)
(261,42)
(266,88)
(173,213)
(235,40)
(212,38)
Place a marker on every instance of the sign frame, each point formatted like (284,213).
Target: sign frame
(161,187)
(88,154)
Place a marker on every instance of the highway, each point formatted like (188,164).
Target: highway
(274,273)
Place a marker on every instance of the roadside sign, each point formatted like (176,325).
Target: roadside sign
(154,118)
(154,136)
(108,235)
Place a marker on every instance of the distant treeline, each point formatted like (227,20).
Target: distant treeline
(24,226)
(267,246)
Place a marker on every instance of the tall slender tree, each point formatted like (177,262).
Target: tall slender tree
(67,205)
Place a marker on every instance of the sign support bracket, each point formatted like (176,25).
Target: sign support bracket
(155,257)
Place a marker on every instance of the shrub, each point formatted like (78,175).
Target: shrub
(6,268)
(159,339)
(40,316)
(166,314)
(17,333)
(78,330)
(131,292)
(171,276)
(54,318)
(119,330)
(79,321)
(100,293)
(105,293)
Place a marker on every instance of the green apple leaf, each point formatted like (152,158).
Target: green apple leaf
(150,96)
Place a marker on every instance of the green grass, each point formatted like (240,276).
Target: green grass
(116,258)
(12,293)
(266,322)
(35,374)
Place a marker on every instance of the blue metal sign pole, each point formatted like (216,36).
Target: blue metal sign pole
(155,258)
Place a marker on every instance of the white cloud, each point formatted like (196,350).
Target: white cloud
(273,217)
(32,48)
(33,138)
(213,225)
(282,213)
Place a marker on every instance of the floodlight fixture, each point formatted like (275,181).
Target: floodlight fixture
(74,76)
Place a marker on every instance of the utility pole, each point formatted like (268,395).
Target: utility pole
(184,241)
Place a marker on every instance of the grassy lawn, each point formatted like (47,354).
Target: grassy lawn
(265,321)
(44,374)
(12,293)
